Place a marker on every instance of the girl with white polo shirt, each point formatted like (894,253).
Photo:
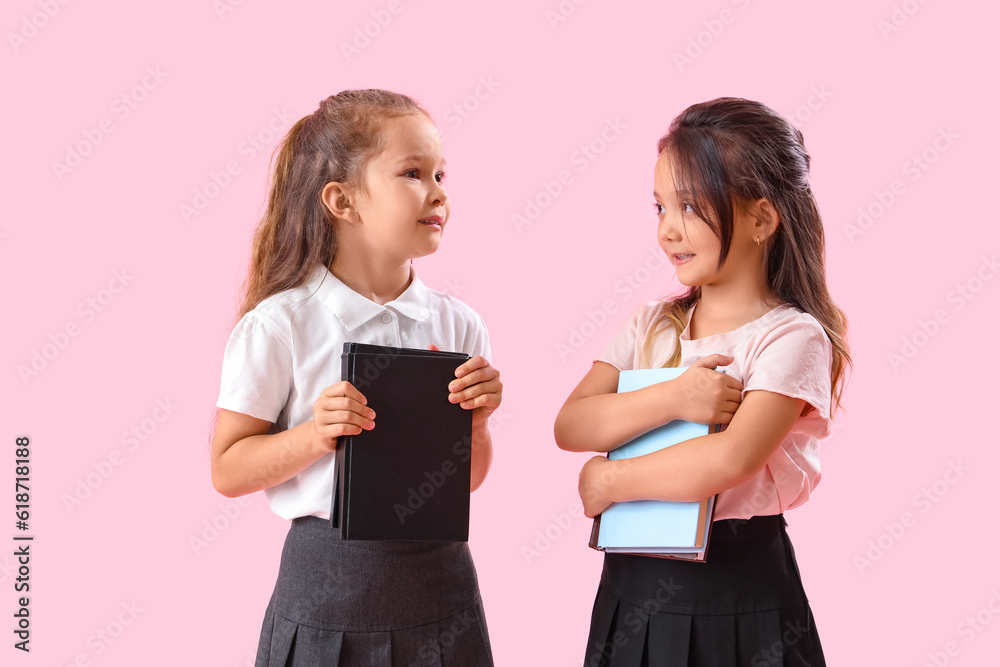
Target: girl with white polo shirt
(356,194)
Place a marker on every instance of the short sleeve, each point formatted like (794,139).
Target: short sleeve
(479,345)
(794,359)
(256,369)
(620,351)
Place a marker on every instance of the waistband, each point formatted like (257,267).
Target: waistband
(756,527)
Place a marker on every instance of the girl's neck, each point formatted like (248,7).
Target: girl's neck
(377,279)
(724,308)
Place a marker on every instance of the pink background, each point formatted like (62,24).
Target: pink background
(883,592)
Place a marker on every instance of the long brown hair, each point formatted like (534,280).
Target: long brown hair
(296,234)
(729,152)
(334,143)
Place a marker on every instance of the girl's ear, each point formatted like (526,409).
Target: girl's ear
(337,200)
(766,219)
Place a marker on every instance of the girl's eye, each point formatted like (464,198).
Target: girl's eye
(658,208)
(686,207)
(415,173)
(441,176)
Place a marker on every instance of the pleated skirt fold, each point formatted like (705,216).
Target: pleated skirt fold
(390,604)
(745,607)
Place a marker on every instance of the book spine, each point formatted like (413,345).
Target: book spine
(343,492)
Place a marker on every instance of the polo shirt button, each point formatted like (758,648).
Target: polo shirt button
(386,317)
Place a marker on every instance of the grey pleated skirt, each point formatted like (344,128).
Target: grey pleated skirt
(744,607)
(386,604)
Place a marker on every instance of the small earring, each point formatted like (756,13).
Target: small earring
(758,242)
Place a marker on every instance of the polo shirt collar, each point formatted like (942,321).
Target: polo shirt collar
(353,309)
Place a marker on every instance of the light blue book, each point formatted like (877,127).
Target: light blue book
(655,527)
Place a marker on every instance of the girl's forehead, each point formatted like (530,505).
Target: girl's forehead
(412,137)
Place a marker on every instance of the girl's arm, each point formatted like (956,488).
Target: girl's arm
(595,418)
(477,387)
(482,455)
(698,468)
(245,459)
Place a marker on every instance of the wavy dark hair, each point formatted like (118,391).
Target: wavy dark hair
(729,152)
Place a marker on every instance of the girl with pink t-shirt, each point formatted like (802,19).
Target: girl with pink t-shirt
(739,222)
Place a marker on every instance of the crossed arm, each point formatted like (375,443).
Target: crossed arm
(688,471)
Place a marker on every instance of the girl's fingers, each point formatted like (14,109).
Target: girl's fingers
(342,403)
(471,365)
(483,400)
(481,388)
(475,377)
(713,360)
(345,418)
(345,389)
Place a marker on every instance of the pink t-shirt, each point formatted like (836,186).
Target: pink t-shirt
(785,351)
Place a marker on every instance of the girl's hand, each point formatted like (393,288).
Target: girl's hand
(596,479)
(705,396)
(477,387)
(340,410)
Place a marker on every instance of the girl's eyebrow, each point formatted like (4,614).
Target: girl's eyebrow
(681,193)
(417,157)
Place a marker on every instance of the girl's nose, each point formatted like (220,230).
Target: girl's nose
(438,194)
(669,227)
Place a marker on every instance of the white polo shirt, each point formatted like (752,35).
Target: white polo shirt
(287,350)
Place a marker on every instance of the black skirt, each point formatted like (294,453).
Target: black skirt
(744,607)
(357,603)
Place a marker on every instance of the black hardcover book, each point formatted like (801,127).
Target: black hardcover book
(409,477)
